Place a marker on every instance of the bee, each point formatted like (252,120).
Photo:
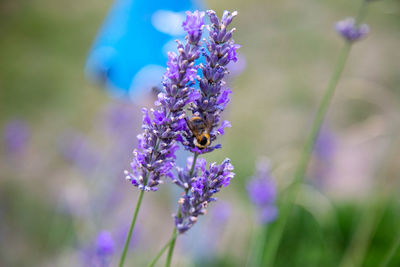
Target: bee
(201,131)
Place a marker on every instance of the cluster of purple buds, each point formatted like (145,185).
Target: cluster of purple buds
(220,50)
(262,191)
(200,185)
(155,155)
(351,32)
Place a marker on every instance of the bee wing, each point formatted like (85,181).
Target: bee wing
(209,122)
(190,125)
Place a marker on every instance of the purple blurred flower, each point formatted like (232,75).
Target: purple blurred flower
(99,254)
(105,244)
(262,191)
(200,190)
(348,29)
(16,136)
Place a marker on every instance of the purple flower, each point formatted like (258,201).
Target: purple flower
(159,117)
(16,136)
(224,125)
(105,244)
(262,192)
(220,50)
(199,190)
(172,66)
(193,25)
(232,52)
(167,124)
(99,254)
(348,29)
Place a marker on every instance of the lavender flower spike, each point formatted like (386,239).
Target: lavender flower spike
(348,29)
(262,192)
(220,50)
(155,155)
(204,184)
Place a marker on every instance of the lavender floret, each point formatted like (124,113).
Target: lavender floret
(351,32)
(193,25)
(200,189)
(262,192)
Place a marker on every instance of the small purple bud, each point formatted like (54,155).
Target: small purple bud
(146,117)
(348,30)
(232,52)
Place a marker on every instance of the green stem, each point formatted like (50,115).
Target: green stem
(139,202)
(278,227)
(159,254)
(193,164)
(174,233)
(128,239)
(171,246)
(391,252)
(287,205)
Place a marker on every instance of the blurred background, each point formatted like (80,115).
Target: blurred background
(67,137)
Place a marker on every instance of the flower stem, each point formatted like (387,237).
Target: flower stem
(278,227)
(171,246)
(174,233)
(159,254)
(128,238)
(193,164)
(139,202)
(287,205)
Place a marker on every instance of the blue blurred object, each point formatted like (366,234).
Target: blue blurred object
(130,51)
